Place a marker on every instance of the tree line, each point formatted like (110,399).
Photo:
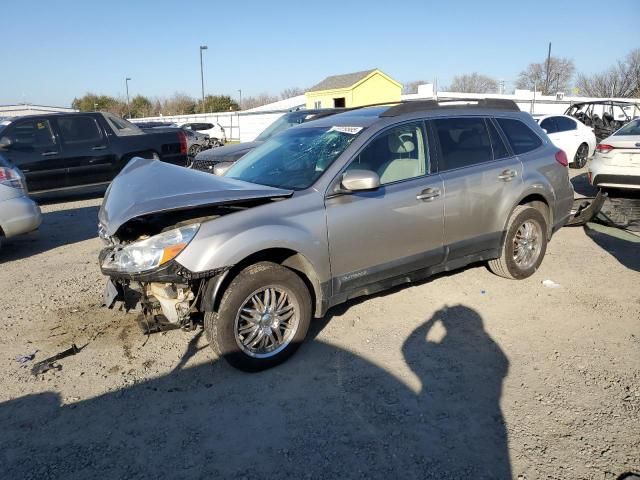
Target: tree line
(557,75)
(177,104)
(548,77)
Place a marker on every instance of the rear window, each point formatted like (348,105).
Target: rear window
(121,127)
(631,128)
(521,137)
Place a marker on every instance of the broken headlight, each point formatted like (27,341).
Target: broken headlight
(152,252)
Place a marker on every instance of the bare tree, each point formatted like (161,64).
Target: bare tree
(260,100)
(621,80)
(178,104)
(547,79)
(473,83)
(412,87)
(290,92)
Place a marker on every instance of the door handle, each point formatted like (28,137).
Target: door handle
(508,175)
(99,147)
(428,194)
(48,154)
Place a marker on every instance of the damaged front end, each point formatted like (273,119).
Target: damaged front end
(150,214)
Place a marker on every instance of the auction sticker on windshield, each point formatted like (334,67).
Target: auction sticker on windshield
(349,130)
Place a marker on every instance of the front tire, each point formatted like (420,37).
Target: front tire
(263,317)
(525,244)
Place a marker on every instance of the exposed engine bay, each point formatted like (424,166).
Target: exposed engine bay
(170,297)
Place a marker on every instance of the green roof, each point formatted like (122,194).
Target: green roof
(341,81)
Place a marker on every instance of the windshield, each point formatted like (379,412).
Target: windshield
(296,158)
(631,128)
(286,121)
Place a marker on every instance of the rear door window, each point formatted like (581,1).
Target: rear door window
(521,137)
(497,144)
(464,141)
(565,124)
(78,129)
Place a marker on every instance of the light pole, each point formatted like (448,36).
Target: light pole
(240,101)
(126,82)
(202,47)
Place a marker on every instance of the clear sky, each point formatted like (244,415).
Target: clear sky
(54,51)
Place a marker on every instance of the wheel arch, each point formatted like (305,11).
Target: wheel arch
(540,202)
(286,257)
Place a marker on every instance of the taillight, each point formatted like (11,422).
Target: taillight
(183,142)
(561,158)
(11,178)
(603,148)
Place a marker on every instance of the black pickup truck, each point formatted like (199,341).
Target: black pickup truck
(62,151)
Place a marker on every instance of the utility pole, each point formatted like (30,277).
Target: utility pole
(202,47)
(546,81)
(126,82)
(240,101)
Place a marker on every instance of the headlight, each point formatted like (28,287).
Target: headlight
(152,252)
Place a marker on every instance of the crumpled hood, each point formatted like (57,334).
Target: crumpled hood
(145,187)
(221,153)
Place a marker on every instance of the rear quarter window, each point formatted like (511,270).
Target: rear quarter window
(519,135)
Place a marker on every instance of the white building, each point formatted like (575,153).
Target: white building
(23,109)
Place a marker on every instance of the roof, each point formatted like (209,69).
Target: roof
(341,81)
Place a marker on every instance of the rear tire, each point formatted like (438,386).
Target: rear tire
(580,158)
(263,317)
(524,245)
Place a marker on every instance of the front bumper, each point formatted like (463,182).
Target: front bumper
(19,215)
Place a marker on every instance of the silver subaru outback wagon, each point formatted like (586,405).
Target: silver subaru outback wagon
(330,210)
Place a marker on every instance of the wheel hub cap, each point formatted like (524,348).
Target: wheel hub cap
(266,322)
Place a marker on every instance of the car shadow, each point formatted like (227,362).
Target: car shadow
(58,228)
(622,245)
(326,413)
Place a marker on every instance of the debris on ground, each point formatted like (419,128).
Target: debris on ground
(550,284)
(50,363)
(26,358)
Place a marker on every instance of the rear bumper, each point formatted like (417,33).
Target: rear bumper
(617,181)
(615,176)
(19,215)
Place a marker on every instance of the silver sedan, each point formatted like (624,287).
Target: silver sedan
(18,213)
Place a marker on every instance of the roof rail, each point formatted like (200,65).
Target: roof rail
(411,106)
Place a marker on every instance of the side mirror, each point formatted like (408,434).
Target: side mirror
(5,143)
(545,130)
(359,180)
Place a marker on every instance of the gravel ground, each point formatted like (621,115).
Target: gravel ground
(464,376)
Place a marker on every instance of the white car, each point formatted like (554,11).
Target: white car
(214,130)
(616,163)
(576,139)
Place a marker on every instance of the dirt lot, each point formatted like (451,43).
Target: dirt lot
(465,376)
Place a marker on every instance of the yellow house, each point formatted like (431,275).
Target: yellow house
(354,90)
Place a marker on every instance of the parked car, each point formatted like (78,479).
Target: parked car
(616,163)
(196,141)
(18,213)
(329,210)
(225,156)
(571,135)
(215,131)
(605,116)
(66,151)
